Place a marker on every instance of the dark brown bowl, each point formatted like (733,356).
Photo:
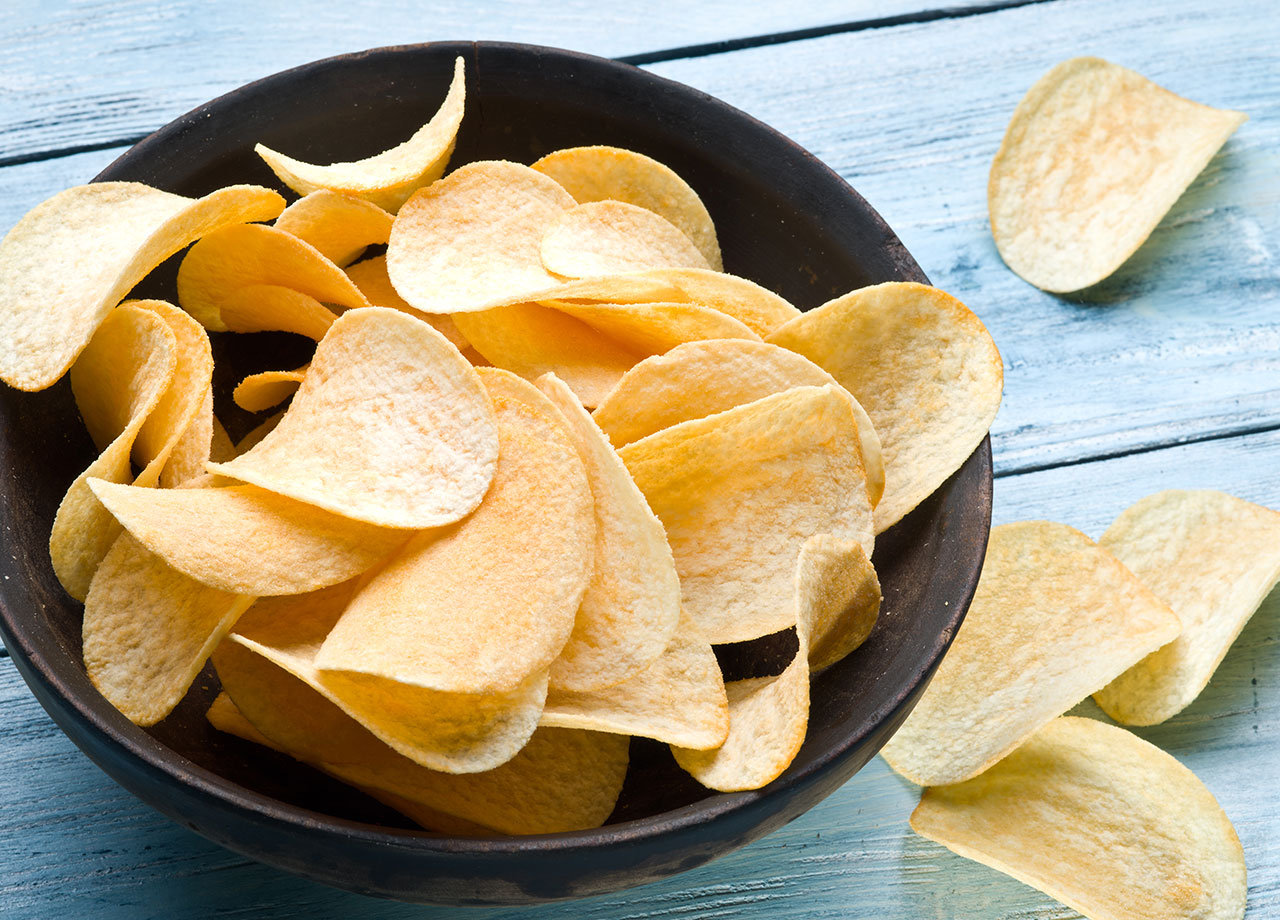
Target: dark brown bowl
(784,219)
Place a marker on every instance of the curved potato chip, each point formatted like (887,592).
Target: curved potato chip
(698,379)
(1093,158)
(390,177)
(562,780)
(740,491)
(480,607)
(225,262)
(202,439)
(268,388)
(925,369)
(246,540)
(473,237)
(838,595)
(609,237)
(1213,559)
(632,603)
(370,276)
(339,226)
(254,437)
(652,328)
(274,308)
(1099,819)
(600,173)
(391,427)
(148,630)
(1031,646)
(72,259)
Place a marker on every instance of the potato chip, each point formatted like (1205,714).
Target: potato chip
(631,606)
(266,389)
(652,328)
(1213,559)
(678,697)
(1054,618)
(70,260)
(339,226)
(482,606)
(390,177)
(370,276)
(391,427)
(925,369)
(274,308)
(609,237)
(601,173)
(740,491)
(701,378)
(216,272)
(474,237)
(246,540)
(1092,160)
(148,630)
(561,780)
(1099,819)
(202,439)
(839,596)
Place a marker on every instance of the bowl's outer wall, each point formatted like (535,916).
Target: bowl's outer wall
(784,220)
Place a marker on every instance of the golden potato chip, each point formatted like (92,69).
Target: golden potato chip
(70,260)
(561,780)
(391,427)
(701,378)
(268,388)
(339,226)
(390,177)
(1093,158)
(482,606)
(838,594)
(652,328)
(370,276)
(1213,559)
(601,173)
(148,630)
(246,540)
(1099,819)
(632,603)
(740,491)
(678,697)
(451,732)
(202,439)
(925,369)
(609,237)
(274,308)
(1054,618)
(474,237)
(254,437)
(216,272)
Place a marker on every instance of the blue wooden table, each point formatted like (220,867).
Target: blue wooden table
(1166,375)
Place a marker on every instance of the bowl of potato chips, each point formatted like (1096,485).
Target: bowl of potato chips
(509,475)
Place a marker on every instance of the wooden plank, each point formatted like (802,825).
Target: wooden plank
(1185,340)
(72,843)
(100,71)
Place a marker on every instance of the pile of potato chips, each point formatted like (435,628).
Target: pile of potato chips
(435,574)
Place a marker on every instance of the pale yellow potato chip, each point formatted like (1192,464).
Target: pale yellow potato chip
(451,732)
(203,438)
(148,630)
(72,259)
(246,540)
(370,276)
(390,177)
(268,388)
(631,606)
(531,340)
(474,237)
(925,369)
(391,427)
(339,226)
(1055,617)
(601,173)
(701,378)
(1212,558)
(678,697)
(273,308)
(739,492)
(629,287)
(653,328)
(1099,819)
(838,594)
(482,606)
(562,780)
(1093,158)
(608,237)
(224,263)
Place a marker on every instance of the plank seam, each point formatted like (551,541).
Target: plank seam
(39,155)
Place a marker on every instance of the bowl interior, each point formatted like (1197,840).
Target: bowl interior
(784,221)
